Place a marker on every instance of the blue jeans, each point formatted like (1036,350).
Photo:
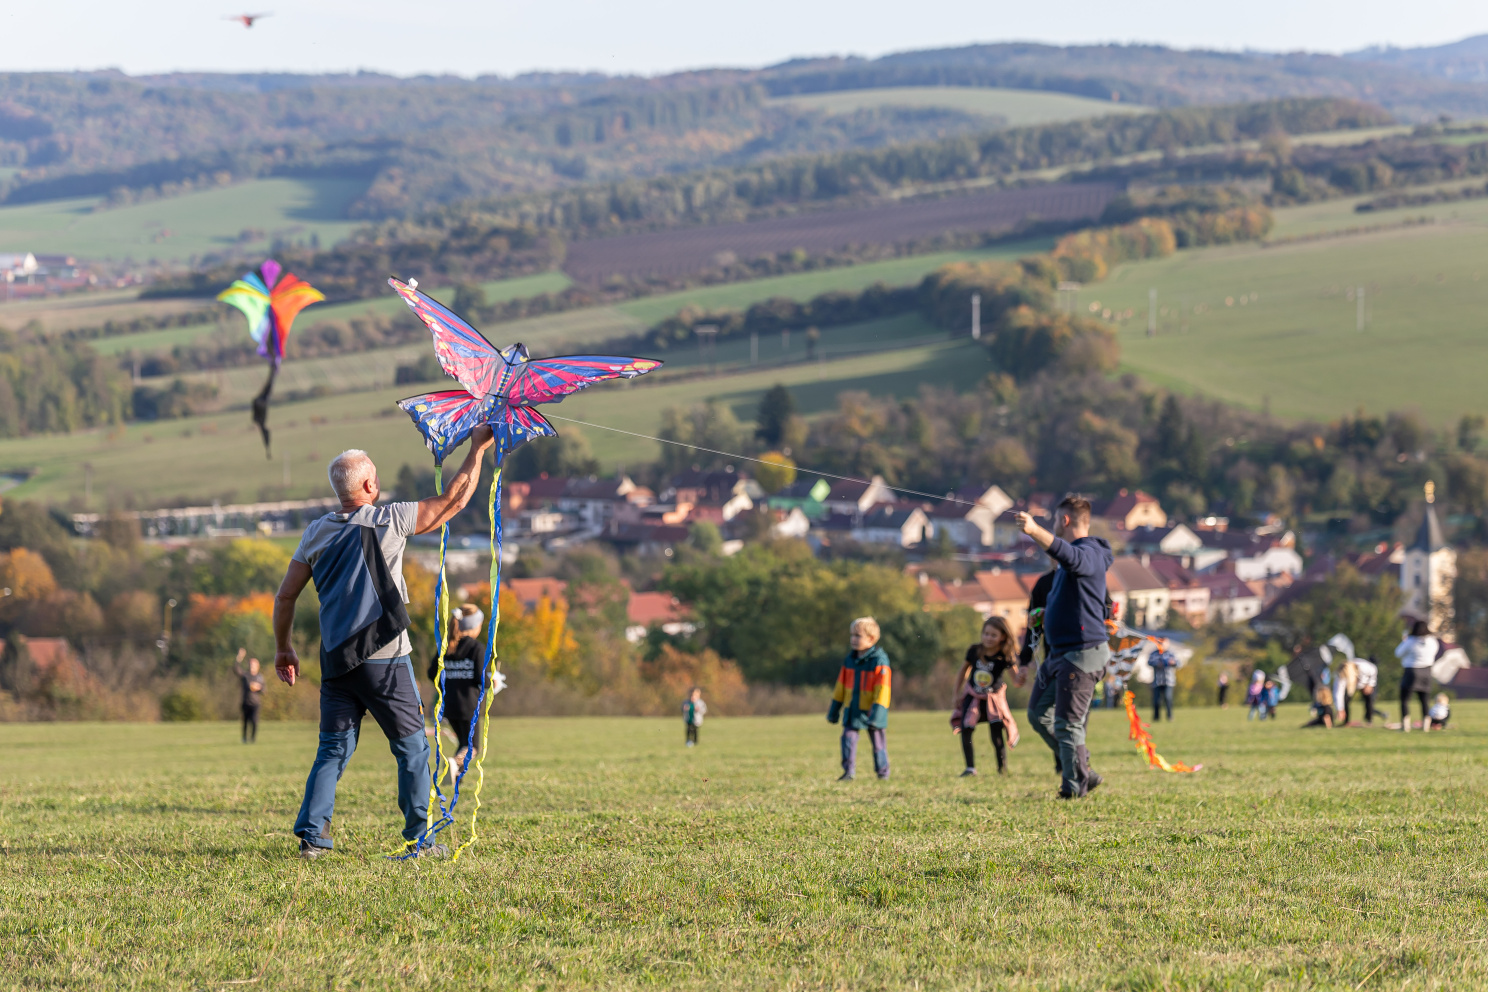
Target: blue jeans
(388,690)
(879,740)
(1162,696)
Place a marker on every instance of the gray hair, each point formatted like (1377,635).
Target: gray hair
(349,470)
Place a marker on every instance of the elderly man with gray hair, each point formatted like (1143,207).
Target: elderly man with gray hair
(355,556)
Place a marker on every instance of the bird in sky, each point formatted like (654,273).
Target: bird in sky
(246,19)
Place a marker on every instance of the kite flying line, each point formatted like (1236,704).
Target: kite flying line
(761,461)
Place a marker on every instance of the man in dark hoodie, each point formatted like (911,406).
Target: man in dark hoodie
(1076,639)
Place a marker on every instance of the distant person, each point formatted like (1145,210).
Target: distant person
(981,694)
(464,662)
(1368,684)
(252,684)
(1345,687)
(693,711)
(1255,696)
(1224,689)
(1273,698)
(1322,708)
(1417,652)
(1164,665)
(1075,629)
(861,699)
(1439,714)
(355,556)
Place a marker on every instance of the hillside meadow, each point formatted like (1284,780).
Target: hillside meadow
(160,856)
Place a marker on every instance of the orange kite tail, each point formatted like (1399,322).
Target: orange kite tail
(1143,739)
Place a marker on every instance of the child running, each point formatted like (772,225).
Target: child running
(1256,697)
(693,710)
(861,699)
(1440,713)
(464,661)
(982,694)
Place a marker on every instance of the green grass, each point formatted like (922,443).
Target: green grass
(160,857)
(220,455)
(176,228)
(1295,347)
(1018,107)
(151,341)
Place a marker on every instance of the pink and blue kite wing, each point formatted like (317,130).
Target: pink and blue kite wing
(548,380)
(463,352)
(445,419)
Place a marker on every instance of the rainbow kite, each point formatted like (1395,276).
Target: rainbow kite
(271,299)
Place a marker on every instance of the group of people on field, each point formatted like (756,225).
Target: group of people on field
(1068,608)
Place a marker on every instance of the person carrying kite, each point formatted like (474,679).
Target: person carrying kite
(355,557)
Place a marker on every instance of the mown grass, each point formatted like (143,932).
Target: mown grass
(220,455)
(176,228)
(1294,347)
(1016,107)
(160,857)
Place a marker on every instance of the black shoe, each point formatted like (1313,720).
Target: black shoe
(1002,769)
(846,777)
(1067,795)
(310,852)
(1091,781)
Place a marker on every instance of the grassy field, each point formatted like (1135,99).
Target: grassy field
(221,456)
(1276,326)
(176,228)
(160,857)
(1017,107)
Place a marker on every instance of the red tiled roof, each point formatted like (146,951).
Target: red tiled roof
(532,590)
(647,608)
(1006,587)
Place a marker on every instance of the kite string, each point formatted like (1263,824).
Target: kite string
(761,461)
(489,670)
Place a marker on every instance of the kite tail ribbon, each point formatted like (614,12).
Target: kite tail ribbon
(492,681)
(1143,739)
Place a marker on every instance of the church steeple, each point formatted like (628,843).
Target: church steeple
(1428,571)
(1429,537)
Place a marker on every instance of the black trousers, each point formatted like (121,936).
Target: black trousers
(968,747)
(1369,706)
(1416,680)
(461,706)
(250,720)
(692,733)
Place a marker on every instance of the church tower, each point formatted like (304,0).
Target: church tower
(1427,573)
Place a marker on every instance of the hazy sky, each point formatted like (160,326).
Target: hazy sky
(468,38)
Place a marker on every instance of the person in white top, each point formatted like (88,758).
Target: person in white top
(1416,653)
(1368,683)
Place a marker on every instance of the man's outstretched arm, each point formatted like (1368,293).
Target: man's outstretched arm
(436,510)
(286,662)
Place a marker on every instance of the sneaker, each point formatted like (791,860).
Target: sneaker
(846,777)
(1067,795)
(429,849)
(968,772)
(883,778)
(310,852)
(1002,769)
(1091,782)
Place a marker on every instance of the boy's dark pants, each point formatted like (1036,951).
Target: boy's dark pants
(1059,705)
(878,738)
(692,733)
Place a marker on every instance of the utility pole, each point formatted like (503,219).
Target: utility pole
(707,335)
(976,316)
(1152,313)
(1359,300)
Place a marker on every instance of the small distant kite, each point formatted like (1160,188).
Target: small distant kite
(246,19)
(271,299)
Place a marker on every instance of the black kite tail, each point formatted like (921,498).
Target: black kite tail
(261,410)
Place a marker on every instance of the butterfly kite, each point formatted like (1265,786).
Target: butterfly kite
(500,388)
(1129,652)
(271,299)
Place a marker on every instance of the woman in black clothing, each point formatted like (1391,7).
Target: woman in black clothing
(464,660)
(982,694)
(252,684)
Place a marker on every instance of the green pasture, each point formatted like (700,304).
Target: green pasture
(161,857)
(1017,107)
(65,313)
(1275,327)
(220,456)
(174,229)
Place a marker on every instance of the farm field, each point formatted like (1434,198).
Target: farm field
(694,249)
(176,228)
(1276,327)
(1016,107)
(160,856)
(220,456)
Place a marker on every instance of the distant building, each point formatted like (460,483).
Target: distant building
(968,516)
(655,609)
(899,525)
(1130,510)
(856,497)
(1231,600)
(1188,597)
(1175,540)
(1139,596)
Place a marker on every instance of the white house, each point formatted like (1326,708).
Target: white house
(1137,593)
(1266,563)
(1231,600)
(852,497)
(969,515)
(15,266)
(794,524)
(905,527)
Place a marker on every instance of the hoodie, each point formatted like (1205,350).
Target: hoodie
(1075,617)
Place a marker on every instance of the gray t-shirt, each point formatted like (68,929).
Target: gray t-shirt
(395,523)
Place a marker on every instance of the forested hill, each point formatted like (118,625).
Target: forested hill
(429,140)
